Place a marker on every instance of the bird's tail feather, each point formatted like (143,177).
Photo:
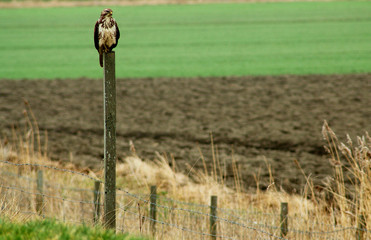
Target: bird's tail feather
(101,59)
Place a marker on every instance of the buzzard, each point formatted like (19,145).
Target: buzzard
(106,33)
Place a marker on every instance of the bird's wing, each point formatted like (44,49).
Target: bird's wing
(96,35)
(117,36)
(117,32)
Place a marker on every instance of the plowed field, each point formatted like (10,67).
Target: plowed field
(251,119)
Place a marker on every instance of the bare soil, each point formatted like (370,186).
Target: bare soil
(251,119)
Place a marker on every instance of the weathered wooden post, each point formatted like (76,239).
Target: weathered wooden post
(96,201)
(284,222)
(39,196)
(213,217)
(109,89)
(82,220)
(152,210)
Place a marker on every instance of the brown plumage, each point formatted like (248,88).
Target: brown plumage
(106,34)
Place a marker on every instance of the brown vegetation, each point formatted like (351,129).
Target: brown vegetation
(331,212)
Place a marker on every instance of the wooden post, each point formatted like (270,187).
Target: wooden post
(213,212)
(109,87)
(63,212)
(284,222)
(361,227)
(39,196)
(96,201)
(153,199)
(82,213)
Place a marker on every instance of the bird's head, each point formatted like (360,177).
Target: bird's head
(106,13)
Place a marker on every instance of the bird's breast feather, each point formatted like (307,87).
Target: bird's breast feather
(107,36)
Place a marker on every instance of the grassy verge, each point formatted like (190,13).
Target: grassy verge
(191,40)
(49,229)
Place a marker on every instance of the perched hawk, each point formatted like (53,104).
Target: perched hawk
(106,33)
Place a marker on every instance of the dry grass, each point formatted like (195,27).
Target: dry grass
(182,202)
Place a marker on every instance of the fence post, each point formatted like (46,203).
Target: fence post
(213,213)
(39,196)
(109,87)
(284,222)
(361,227)
(153,199)
(82,212)
(96,201)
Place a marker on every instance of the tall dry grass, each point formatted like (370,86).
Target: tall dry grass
(350,161)
(182,211)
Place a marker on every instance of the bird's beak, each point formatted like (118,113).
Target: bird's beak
(111,12)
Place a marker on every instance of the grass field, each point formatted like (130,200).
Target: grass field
(49,229)
(191,40)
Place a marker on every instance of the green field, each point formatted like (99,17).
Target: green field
(49,229)
(191,40)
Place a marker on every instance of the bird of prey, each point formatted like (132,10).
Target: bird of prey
(106,33)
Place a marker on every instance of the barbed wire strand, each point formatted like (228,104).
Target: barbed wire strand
(176,226)
(53,168)
(44,195)
(161,206)
(51,185)
(17,175)
(160,198)
(206,214)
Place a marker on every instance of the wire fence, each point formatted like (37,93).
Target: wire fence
(28,192)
